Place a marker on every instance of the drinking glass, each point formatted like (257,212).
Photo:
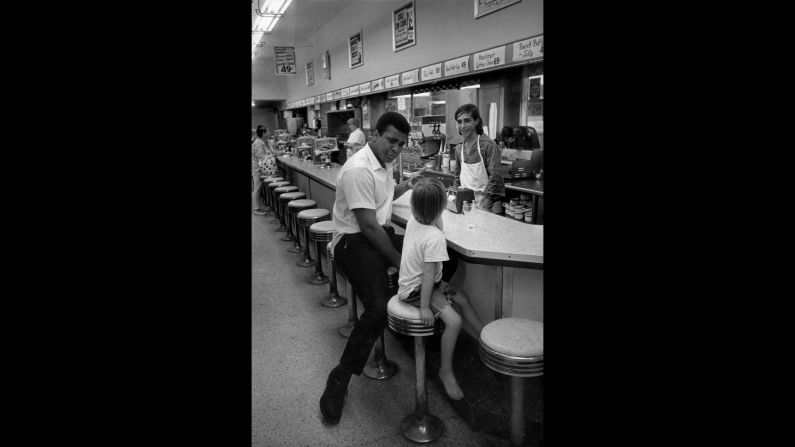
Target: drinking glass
(468,210)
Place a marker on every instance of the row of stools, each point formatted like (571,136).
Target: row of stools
(510,346)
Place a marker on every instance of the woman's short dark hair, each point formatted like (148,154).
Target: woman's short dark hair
(393,119)
(473,111)
(428,200)
(261,130)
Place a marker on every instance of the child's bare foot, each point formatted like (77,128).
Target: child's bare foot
(451,385)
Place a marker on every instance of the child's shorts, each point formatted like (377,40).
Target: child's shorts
(439,299)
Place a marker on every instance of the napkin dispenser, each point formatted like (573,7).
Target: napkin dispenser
(461,196)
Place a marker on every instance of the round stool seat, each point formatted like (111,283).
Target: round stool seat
(322,231)
(405,319)
(513,346)
(301,203)
(307,217)
(284,189)
(277,184)
(273,179)
(291,195)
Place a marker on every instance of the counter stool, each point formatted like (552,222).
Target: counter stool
(421,425)
(277,193)
(380,367)
(305,219)
(284,201)
(293,208)
(272,195)
(333,299)
(265,192)
(514,347)
(321,233)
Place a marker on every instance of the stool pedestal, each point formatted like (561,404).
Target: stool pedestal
(306,219)
(380,367)
(333,299)
(421,426)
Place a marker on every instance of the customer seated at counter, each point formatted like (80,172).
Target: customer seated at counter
(365,245)
(478,160)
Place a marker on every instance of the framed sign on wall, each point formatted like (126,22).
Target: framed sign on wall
(404,27)
(483,7)
(356,50)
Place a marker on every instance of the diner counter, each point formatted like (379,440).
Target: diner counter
(495,240)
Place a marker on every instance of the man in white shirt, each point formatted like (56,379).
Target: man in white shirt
(356,139)
(365,245)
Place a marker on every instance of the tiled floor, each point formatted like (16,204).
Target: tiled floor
(295,344)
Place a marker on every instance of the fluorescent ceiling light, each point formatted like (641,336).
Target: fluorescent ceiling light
(471,86)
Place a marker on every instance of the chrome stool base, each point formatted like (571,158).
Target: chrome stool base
(422,428)
(297,249)
(380,369)
(334,301)
(318,279)
(307,262)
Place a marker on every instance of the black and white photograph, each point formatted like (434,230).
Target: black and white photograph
(397,226)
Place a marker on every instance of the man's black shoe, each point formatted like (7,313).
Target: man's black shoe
(333,397)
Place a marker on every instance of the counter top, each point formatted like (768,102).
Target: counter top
(527,185)
(495,240)
(327,176)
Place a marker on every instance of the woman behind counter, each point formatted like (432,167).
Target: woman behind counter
(478,160)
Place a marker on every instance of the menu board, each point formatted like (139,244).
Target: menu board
(529,49)
(392,81)
(409,77)
(364,88)
(285,60)
(377,85)
(345,92)
(432,72)
(489,58)
(354,90)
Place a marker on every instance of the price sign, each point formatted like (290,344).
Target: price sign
(392,81)
(377,85)
(409,77)
(456,66)
(364,88)
(528,49)
(345,92)
(354,90)
(489,58)
(432,72)
(285,60)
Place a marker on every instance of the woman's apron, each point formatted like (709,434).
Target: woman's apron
(473,175)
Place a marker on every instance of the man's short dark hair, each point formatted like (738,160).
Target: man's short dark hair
(393,119)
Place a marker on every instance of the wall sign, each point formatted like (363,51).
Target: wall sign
(285,60)
(529,49)
(377,85)
(345,92)
(489,58)
(326,65)
(355,50)
(483,7)
(456,66)
(330,96)
(432,72)
(364,88)
(404,27)
(337,94)
(409,77)
(392,81)
(354,90)
(310,74)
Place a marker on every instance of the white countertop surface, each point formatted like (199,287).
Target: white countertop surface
(495,238)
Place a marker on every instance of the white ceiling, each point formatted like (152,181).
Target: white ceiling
(302,19)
